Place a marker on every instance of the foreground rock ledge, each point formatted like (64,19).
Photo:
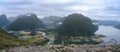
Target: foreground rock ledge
(65,48)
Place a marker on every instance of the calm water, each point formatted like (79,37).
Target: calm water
(110,33)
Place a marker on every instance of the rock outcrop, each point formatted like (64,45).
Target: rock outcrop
(67,48)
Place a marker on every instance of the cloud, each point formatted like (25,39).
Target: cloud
(102,9)
(55,1)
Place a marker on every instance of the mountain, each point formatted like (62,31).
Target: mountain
(76,29)
(11,19)
(29,21)
(106,22)
(77,24)
(117,26)
(7,41)
(4,21)
(52,21)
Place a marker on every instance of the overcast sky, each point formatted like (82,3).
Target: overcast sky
(96,9)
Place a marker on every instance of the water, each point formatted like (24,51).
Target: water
(50,39)
(110,33)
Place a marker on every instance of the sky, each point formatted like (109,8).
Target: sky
(95,9)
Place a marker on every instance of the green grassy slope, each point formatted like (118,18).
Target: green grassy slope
(7,41)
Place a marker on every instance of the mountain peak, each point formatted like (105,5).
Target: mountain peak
(3,20)
(3,16)
(29,14)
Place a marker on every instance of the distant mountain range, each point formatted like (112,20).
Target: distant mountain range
(4,21)
(106,22)
(117,26)
(52,21)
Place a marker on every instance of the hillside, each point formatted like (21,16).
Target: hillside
(26,22)
(77,29)
(7,41)
(77,24)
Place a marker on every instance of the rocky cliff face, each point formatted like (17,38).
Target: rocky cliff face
(66,48)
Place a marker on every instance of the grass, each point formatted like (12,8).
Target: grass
(41,42)
(38,39)
(7,41)
(50,35)
(81,40)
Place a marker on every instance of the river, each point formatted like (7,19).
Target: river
(51,40)
(110,33)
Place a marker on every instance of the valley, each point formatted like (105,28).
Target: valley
(74,33)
